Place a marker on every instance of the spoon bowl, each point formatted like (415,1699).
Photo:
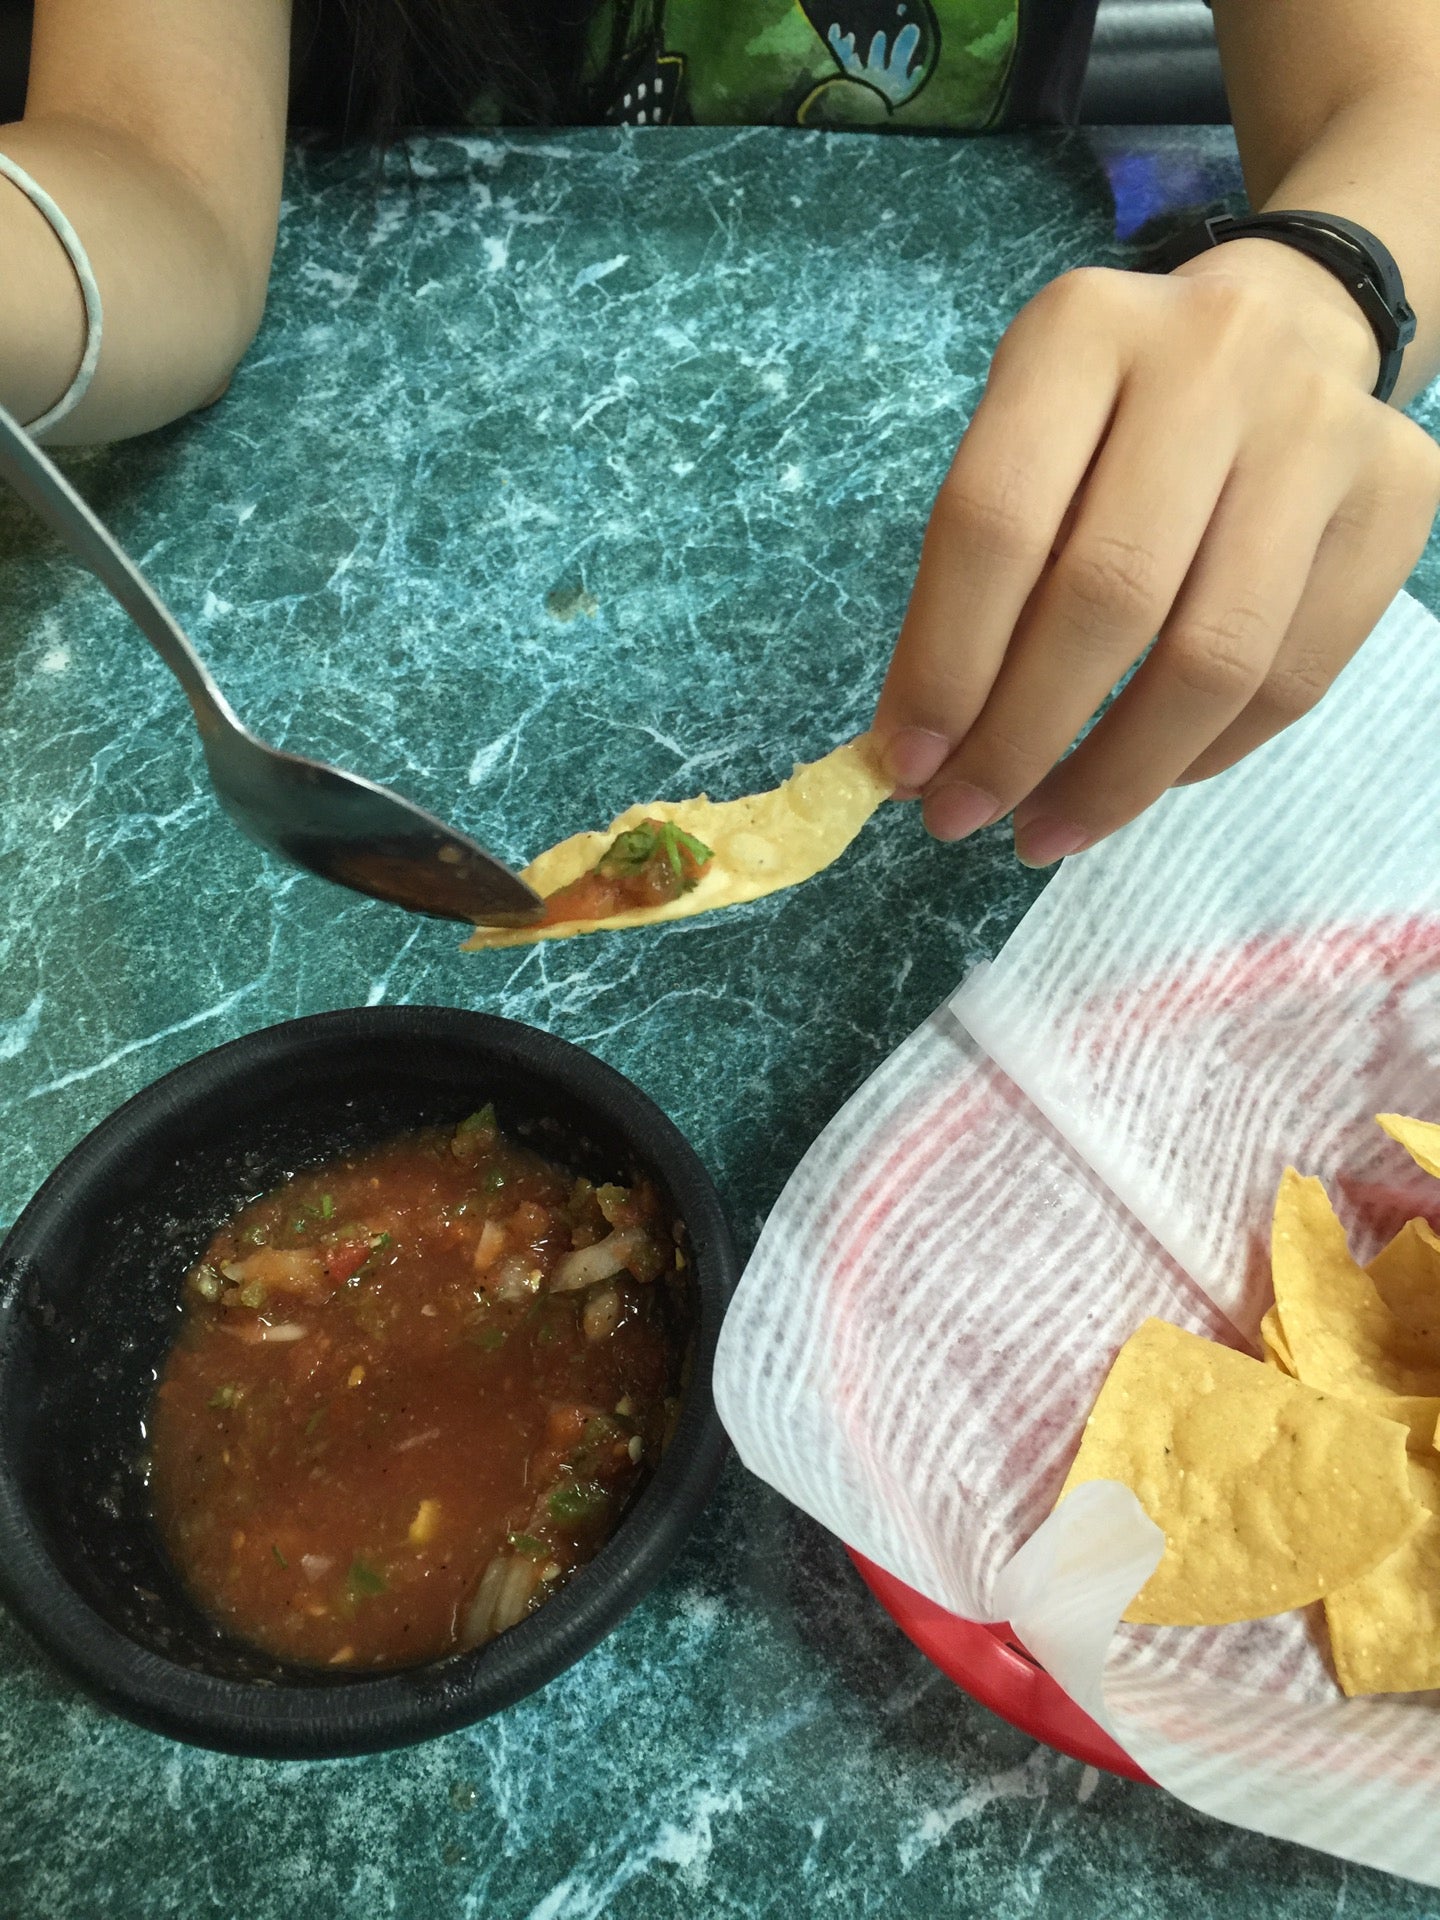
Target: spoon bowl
(360,835)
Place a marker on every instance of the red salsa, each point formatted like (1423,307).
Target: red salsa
(412,1392)
(647,866)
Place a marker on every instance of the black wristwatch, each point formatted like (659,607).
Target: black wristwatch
(1363,265)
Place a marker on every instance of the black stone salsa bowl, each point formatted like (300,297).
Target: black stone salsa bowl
(90,1280)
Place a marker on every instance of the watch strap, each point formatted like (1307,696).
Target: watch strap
(1362,263)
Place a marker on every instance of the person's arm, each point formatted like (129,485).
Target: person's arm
(157,127)
(1337,107)
(1195,457)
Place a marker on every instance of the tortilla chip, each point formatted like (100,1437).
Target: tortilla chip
(1407,1277)
(1270,1495)
(1342,1336)
(1418,1412)
(761,844)
(1274,1345)
(1385,1626)
(1420,1139)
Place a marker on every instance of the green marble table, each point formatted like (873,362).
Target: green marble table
(565,471)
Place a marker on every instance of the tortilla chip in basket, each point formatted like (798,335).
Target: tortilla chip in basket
(1342,1336)
(1385,1626)
(1270,1494)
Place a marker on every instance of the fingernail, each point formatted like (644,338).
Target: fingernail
(954,811)
(914,756)
(1040,843)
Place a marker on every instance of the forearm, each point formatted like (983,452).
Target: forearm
(1338,109)
(157,127)
(179,306)
(1378,162)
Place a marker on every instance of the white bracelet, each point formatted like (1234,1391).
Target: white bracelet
(90,292)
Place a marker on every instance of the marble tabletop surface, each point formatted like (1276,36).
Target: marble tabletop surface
(568,470)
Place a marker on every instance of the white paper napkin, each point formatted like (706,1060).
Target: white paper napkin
(1090,1133)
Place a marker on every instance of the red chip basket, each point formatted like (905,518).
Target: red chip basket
(989,1664)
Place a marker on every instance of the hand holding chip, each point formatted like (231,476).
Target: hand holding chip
(1194,456)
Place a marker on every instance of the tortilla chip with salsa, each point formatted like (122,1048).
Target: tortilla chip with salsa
(675,858)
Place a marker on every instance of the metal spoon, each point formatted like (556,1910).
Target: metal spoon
(337,824)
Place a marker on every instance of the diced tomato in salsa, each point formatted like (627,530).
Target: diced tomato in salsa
(343,1262)
(647,866)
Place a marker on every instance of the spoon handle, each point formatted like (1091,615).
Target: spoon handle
(43,488)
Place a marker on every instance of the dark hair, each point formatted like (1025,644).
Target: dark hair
(370,69)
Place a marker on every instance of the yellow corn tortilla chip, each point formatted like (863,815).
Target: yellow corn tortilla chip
(1269,1494)
(1407,1277)
(761,844)
(1419,1413)
(1385,1626)
(1342,1337)
(1274,1345)
(1420,1139)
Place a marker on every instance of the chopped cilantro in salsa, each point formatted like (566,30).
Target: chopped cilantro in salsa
(655,840)
(364,1579)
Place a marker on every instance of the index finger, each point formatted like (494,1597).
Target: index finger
(1052,388)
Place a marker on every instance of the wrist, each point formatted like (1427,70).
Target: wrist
(1306,294)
